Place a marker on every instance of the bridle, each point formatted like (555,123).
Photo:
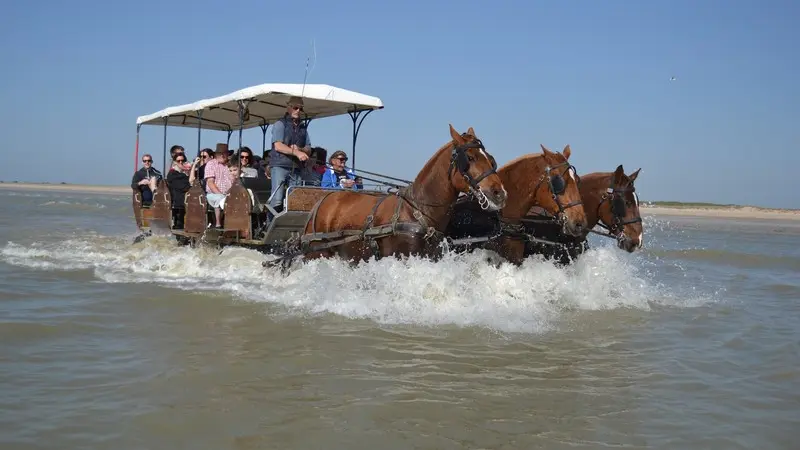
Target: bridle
(619,209)
(460,161)
(558,186)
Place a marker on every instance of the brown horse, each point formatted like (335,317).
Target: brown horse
(547,180)
(610,201)
(356,225)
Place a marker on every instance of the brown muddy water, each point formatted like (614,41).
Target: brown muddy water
(694,343)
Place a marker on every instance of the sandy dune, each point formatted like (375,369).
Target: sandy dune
(81,188)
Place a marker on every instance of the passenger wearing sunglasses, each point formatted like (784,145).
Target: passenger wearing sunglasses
(337,176)
(249,170)
(291,147)
(178,182)
(198,170)
(146,179)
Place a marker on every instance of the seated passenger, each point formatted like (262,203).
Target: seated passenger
(218,183)
(146,179)
(249,169)
(175,149)
(337,176)
(178,182)
(234,170)
(199,167)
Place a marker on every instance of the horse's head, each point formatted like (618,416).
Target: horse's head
(477,170)
(561,196)
(619,210)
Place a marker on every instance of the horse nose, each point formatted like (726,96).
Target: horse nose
(579,228)
(499,194)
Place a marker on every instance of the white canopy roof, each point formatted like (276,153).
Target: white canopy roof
(267,104)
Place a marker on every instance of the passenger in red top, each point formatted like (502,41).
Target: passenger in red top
(218,183)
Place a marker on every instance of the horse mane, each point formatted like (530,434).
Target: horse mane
(523,157)
(529,159)
(428,166)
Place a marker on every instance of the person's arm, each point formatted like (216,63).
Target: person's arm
(210,177)
(278,133)
(193,171)
(135,180)
(329,180)
(212,186)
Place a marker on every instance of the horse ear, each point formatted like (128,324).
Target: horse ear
(456,137)
(471,132)
(619,174)
(633,176)
(566,152)
(545,150)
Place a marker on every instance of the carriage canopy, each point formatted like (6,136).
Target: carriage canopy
(263,105)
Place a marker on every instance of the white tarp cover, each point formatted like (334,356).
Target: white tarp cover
(267,104)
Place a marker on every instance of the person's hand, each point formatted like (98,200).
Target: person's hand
(143,182)
(300,155)
(348,183)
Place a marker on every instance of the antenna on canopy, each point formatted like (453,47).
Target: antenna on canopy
(305,76)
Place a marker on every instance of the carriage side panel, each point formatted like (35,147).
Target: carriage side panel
(162,206)
(238,208)
(196,220)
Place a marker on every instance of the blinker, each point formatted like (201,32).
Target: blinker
(618,206)
(557,184)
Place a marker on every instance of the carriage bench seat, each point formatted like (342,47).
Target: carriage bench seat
(260,188)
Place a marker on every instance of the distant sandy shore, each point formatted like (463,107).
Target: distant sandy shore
(722,212)
(732,212)
(79,188)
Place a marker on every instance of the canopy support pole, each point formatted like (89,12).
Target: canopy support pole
(228,141)
(357,127)
(166,119)
(242,108)
(199,130)
(264,140)
(136,155)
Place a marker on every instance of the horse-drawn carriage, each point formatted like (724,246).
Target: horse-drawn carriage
(247,206)
(534,204)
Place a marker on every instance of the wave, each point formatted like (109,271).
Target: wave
(459,290)
(736,259)
(75,204)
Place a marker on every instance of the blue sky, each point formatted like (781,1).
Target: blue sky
(594,75)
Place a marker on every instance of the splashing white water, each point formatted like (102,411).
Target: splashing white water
(462,290)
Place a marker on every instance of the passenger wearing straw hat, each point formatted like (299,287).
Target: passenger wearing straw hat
(337,176)
(291,147)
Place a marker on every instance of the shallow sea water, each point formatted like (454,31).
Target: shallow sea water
(105,344)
